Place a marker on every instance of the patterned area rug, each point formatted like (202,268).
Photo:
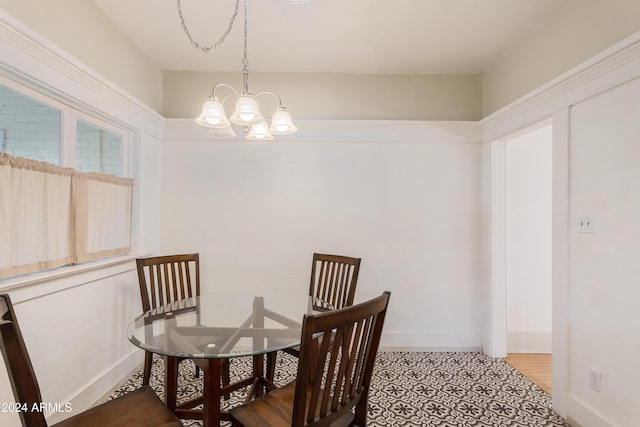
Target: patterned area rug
(411,389)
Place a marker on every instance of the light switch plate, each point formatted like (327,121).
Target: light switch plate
(586,223)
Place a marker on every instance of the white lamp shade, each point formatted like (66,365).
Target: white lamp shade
(213,115)
(247,112)
(281,123)
(260,132)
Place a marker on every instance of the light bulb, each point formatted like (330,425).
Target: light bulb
(212,120)
(260,132)
(247,111)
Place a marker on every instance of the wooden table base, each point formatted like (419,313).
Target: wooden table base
(211,413)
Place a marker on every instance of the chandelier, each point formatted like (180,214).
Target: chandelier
(247,111)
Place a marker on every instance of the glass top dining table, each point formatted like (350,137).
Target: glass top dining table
(216,326)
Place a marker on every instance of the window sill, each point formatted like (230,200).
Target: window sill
(42,283)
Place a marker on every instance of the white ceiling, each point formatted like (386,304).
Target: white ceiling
(346,36)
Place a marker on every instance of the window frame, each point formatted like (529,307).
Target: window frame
(69,115)
(68,125)
(75,115)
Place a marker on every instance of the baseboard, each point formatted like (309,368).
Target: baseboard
(528,342)
(431,341)
(100,387)
(580,415)
(430,349)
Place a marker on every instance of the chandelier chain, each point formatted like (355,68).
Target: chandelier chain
(206,49)
(247,109)
(245,59)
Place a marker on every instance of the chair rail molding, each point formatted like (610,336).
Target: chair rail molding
(371,131)
(612,67)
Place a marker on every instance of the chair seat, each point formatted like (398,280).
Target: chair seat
(274,410)
(138,408)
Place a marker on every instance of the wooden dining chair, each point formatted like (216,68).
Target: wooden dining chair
(333,280)
(333,377)
(139,408)
(166,279)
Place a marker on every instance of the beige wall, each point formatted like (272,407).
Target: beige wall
(582,30)
(338,96)
(80,28)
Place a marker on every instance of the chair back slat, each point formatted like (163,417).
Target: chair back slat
(187,284)
(170,281)
(334,279)
(21,374)
(337,356)
(165,279)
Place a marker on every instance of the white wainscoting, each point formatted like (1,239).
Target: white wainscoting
(402,195)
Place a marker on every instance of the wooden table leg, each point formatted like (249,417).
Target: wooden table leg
(258,342)
(170,381)
(211,413)
(258,374)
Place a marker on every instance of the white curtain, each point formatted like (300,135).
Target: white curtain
(103,215)
(52,216)
(5,213)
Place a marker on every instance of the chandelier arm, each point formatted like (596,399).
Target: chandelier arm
(227,97)
(213,91)
(206,49)
(268,92)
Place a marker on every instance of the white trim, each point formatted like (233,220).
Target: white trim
(612,67)
(560,260)
(370,131)
(583,415)
(529,342)
(497,347)
(39,64)
(432,341)
(429,349)
(24,288)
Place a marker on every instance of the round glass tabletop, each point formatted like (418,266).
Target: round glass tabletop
(224,324)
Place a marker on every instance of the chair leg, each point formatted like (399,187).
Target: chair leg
(360,413)
(146,371)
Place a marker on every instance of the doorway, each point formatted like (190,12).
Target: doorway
(528,248)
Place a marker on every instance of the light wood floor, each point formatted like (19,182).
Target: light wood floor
(536,367)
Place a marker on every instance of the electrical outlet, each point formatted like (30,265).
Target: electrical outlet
(595,380)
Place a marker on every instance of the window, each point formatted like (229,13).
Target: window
(29,128)
(63,195)
(98,150)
